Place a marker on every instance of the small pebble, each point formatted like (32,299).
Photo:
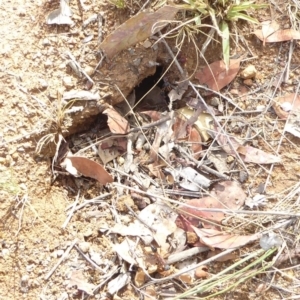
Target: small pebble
(215,102)
(5,253)
(67,82)
(23,186)
(88,232)
(43,83)
(147,44)
(201,272)
(243,176)
(46,42)
(89,70)
(249,72)
(84,246)
(15,156)
(248,82)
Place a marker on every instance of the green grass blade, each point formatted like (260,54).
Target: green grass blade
(232,276)
(225,42)
(236,16)
(244,7)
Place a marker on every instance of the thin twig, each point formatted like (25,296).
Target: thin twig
(100,31)
(88,259)
(186,254)
(63,257)
(92,201)
(227,211)
(288,64)
(210,36)
(79,67)
(141,128)
(191,268)
(206,168)
(71,212)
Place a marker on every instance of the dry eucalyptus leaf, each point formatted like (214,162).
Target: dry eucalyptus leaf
(78,279)
(216,76)
(279,35)
(117,283)
(229,193)
(293,127)
(193,215)
(78,166)
(216,239)
(287,104)
(267,29)
(112,148)
(137,29)
(229,256)
(257,156)
(116,123)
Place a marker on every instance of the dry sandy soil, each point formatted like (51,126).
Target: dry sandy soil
(34,73)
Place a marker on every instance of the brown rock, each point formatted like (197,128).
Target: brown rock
(248,82)
(249,72)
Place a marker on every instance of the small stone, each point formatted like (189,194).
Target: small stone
(5,253)
(147,44)
(120,160)
(24,279)
(59,253)
(201,272)
(46,42)
(248,82)
(62,66)
(67,82)
(84,246)
(230,159)
(52,95)
(243,176)
(234,91)
(89,70)
(192,238)
(43,84)
(15,156)
(89,232)
(249,72)
(215,102)
(23,186)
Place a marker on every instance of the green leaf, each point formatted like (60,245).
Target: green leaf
(236,16)
(197,20)
(245,6)
(225,42)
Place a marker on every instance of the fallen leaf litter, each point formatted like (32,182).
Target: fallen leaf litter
(174,155)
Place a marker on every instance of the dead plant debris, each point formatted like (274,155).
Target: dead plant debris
(193,177)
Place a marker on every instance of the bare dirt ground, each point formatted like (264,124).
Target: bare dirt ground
(34,71)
